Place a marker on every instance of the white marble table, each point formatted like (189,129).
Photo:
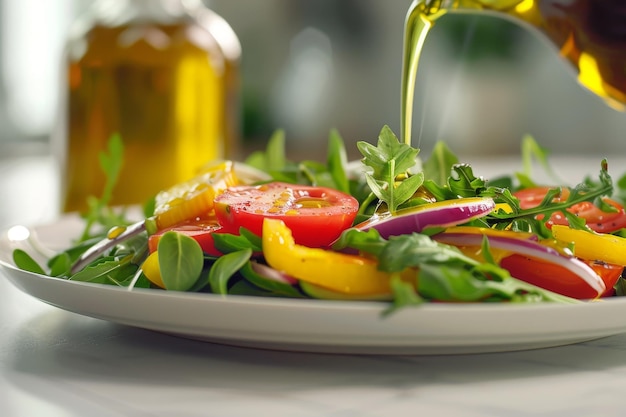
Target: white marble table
(54,363)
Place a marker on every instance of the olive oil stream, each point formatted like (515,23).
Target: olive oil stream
(589,34)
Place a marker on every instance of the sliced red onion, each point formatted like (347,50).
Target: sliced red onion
(531,249)
(273,274)
(440,214)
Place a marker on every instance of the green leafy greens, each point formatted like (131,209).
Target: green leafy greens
(391,177)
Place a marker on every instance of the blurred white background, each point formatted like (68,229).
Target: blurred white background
(309,66)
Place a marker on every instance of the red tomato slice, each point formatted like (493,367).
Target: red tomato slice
(597,220)
(200,230)
(532,197)
(316,216)
(559,280)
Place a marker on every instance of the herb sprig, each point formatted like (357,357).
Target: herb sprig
(462,182)
(391,178)
(99,212)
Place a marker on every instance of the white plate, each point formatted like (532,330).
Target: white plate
(313,325)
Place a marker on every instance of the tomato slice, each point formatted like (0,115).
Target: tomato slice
(200,230)
(315,215)
(532,197)
(557,279)
(597,220)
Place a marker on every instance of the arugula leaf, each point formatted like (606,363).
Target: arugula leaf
(404,295)
(455,283)
(461,182)
(585,191)
(444,273)
(75,251)
(486,252)
(337,160)
(273,159)
(438,166)
(111,164)
(330,174)
(621,188)
(313,173)
(531,150)
(107,270)
(485,282)
(391,180)
(406,251)
(99,211)
(276,159)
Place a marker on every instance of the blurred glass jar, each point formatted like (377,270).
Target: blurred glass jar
(164,75)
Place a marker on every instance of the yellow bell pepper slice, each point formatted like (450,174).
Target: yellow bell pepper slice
(152,270)
(489,232)
(475,252)
(592,246)
(343,273)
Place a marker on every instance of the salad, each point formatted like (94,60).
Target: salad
(391,227)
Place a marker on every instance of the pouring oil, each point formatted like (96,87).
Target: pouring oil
(589,34)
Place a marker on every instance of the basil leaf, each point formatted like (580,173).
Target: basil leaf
(365,241)
(270,285)
(225,267)
(60,265)
(227,243)
(243,287)
(181,261)
(24,261)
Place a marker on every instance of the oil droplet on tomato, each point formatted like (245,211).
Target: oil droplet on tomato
(312,202)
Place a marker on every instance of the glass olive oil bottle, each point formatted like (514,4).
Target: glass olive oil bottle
(589,34)
(163,74)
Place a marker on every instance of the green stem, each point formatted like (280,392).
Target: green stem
(559,206)
(365,204)
(391,181)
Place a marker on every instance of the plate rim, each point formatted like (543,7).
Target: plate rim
(362,314)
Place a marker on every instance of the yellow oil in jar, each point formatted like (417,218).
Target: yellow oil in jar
(167,90)
(589,34)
